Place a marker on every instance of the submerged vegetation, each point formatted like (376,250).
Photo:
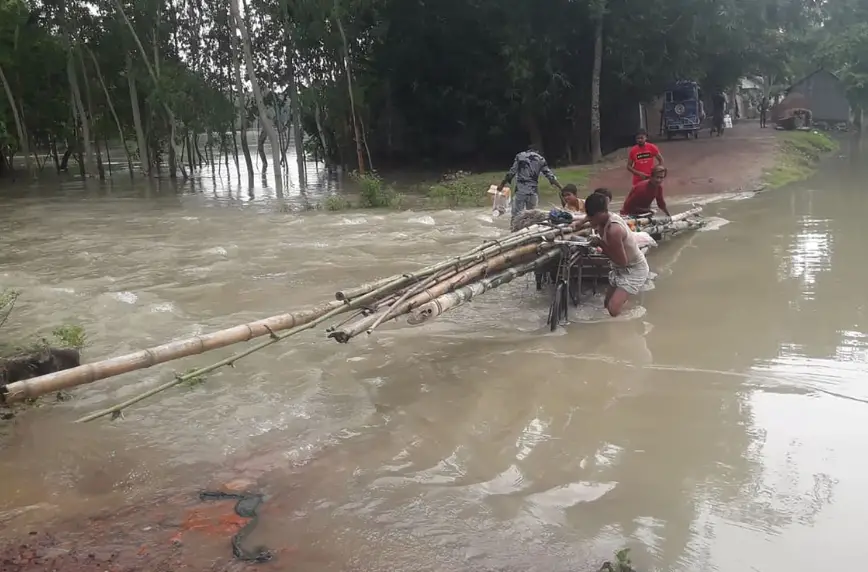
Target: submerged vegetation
(25,358)
(798,155)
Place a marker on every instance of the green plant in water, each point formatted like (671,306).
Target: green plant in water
(70,336)
(7,304)
(373,193)
(458,192)
(194,380)
(337,203)
(622,562)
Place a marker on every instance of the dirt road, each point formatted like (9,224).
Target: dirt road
(707,165)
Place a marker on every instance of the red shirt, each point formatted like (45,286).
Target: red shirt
(640,198)
(643,159)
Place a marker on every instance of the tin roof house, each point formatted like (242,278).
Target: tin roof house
(821,92)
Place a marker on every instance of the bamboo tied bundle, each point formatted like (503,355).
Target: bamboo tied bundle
(420,296)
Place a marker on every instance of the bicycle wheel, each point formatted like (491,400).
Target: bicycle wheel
(558,309)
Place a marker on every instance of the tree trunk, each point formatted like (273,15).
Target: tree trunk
(260,147)
(108,155)
(64,161)
(19,121)
(199,159)
(76,135)
(89,99)
(358,137)
(257,94)
(137,119)
(596,150)
(112,110)
(321,132)
(54,154)
(188,141)
(154,78)
(297,133)
(209,151)
(79,107)
(242,107)
(235,153)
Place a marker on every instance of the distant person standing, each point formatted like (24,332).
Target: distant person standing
(643,156)
(764,111)
(526,169)
(718,106)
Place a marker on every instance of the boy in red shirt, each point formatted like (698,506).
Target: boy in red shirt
(642,157)
(638,202)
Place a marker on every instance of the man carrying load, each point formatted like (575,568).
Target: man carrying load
(526,169)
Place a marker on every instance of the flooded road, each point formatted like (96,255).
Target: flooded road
(718,427)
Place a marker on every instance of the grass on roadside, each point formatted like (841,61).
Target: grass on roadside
(468,190)
(798,155)
(454,190)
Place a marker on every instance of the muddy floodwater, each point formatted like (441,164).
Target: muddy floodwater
(720,425)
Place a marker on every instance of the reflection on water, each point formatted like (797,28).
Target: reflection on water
(715,429)
(225,183)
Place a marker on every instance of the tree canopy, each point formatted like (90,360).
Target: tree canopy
(381,82)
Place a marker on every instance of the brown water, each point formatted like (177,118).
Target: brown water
(717,426)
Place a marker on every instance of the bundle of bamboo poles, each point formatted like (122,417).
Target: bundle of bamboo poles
(419,295)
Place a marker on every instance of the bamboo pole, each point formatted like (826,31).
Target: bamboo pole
(464,294)
(488,248)
(88,373)
(350,293)
(460,278)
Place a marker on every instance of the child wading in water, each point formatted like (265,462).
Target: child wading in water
(570,199)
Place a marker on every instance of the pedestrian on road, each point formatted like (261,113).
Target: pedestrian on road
(642,158)
(764,110)
(638,202)
(526,169)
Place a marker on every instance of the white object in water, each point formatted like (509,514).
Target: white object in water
(499,200)
(643,239)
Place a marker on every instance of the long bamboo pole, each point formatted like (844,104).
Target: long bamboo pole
(88,373)
(460,278)
(489,248)
(464,294)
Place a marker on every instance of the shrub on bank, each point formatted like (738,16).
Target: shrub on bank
(458,193)
(799,153)
(374,193)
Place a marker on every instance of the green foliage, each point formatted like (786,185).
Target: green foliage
(70,336)
(797,159)
(458,193)
(622,562)
(337,203)
(192,381)
(522,72)
(374,193)
(7,304)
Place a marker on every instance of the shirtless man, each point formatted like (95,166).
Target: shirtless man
(629,268)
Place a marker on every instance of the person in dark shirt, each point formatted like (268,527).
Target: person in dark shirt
(526,169)
(764,111)
(638,202)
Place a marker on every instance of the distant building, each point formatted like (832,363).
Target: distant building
(821,92)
